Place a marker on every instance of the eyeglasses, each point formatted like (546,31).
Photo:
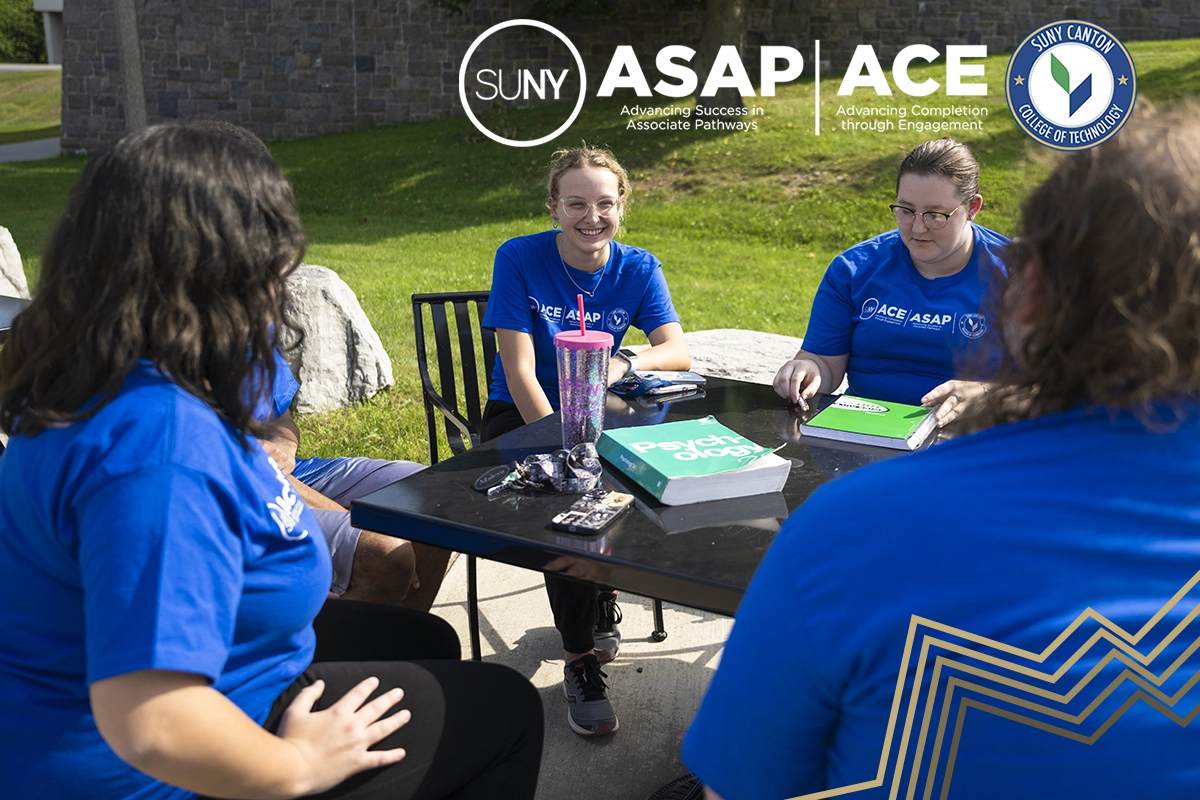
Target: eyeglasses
(934,220)
(577,207)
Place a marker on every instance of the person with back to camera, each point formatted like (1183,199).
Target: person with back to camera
(367,566)
(900,315)
(1074,503)
(535,283)
(162,574)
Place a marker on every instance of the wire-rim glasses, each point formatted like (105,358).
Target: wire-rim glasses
(577,207)
(933,220)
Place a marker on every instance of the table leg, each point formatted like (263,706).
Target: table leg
(473,608)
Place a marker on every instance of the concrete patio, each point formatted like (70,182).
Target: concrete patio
(655,687)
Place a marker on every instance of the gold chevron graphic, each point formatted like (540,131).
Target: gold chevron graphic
(1023,680)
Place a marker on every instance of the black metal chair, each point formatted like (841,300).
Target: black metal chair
(458,397)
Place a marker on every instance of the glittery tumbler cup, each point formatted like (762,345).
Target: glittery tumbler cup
(582,384)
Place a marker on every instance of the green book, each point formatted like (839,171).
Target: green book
(873,422)
(693,460)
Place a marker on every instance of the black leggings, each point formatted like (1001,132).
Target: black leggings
(572,602)
(476,729)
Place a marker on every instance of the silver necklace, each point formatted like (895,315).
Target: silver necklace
(567,270)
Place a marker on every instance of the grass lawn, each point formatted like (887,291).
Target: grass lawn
(30,105)
(745,223)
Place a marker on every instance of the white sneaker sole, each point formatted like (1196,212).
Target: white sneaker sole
(604,731)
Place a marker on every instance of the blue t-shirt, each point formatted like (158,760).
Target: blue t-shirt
(275,403)
(144,537)
(1010,534)
(532,293)
(906,333)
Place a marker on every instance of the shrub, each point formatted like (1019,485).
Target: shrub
(22,38)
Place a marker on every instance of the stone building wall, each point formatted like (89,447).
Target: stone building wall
(893,24)
(295,68)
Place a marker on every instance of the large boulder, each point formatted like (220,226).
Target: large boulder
(12,273)
(341,360)
(750,356)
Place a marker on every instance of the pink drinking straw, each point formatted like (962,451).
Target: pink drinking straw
(582,327)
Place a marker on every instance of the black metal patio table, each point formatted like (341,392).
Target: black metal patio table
(700,555)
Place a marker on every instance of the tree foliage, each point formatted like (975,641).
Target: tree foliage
(551,10)
(22,38)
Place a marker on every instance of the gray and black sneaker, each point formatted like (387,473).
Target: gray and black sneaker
(589,713)
(607,636)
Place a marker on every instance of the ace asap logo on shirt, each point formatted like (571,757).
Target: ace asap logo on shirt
(616,320)
(971,326)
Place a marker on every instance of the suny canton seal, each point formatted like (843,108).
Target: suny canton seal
(1071,84)
(972,326)
(618,319)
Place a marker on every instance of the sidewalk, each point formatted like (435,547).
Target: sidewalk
(35,150)
(29,151)
(655,687)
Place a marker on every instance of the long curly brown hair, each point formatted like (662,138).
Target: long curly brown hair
(174,247)
(1103,303)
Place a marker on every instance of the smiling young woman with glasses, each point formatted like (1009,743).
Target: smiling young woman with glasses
(535,283)
(901,315)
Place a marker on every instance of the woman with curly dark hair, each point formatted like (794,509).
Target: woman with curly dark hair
(161,574)
(1041,573)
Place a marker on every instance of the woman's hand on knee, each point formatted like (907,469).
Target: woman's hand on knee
(334,743)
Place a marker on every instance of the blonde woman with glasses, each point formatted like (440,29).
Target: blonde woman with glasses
(535,283)
(900,315)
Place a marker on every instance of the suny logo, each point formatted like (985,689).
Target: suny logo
(1071,85)
(487,84)
(482,82)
